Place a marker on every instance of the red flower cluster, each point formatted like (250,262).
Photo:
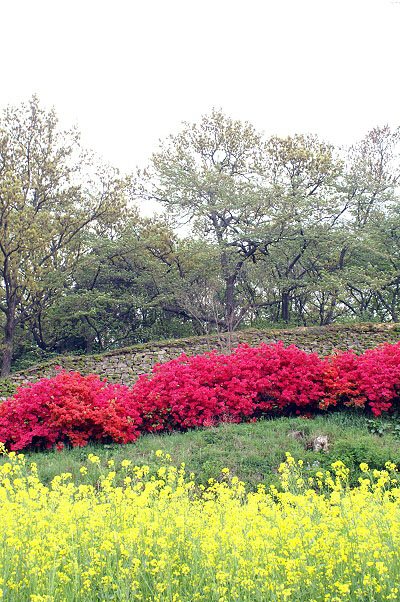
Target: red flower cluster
(372,378)
(69,408)
(199,390)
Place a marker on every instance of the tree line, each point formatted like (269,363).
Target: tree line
(251,231)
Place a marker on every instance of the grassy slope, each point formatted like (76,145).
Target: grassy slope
(252,451)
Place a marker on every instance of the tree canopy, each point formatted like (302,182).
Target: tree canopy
(256,231)
(51,193)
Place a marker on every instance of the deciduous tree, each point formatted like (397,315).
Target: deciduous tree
(51,193)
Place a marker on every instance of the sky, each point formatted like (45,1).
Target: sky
(128,73)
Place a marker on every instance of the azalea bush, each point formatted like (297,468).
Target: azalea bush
(199,390)
(69,408)
(203,389)
(371,379)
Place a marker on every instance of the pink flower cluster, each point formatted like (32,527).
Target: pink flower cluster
(69,408)
(201,389)
(198,391)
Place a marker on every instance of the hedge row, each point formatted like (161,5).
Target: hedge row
(199,390)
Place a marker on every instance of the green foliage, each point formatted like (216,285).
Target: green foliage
(383,425)
(121,294)
(7,387)
(263,232)
(50,193)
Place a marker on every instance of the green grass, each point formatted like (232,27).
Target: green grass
(251,451)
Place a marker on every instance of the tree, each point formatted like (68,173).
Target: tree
(211,177)
(304,173)
(122,292)
(274,201)
(369,187)
(45,211)
(372,174)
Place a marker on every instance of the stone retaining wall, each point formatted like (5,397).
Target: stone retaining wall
(125,365)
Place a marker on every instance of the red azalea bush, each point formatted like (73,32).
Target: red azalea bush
(371,379)
(198,391)
(201,389)
(341,381)
(69,408)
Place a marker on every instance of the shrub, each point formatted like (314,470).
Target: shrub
(372,378)
(200,390)
(68,408)
(341,381)
(204,389)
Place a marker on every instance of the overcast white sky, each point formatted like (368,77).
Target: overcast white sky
(129,72)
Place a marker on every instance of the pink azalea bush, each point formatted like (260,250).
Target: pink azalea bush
(199,390)
(69,408)
(192,391)
(371,379)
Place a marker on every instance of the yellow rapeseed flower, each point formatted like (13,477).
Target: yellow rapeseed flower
(156,537)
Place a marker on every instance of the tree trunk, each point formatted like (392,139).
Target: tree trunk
(88,336)
(229,310)
(285,307)
(229,302)
(9,330)
(329,315)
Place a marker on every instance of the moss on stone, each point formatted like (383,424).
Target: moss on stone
(132,361)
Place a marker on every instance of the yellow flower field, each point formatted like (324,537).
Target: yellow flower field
(161,538)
